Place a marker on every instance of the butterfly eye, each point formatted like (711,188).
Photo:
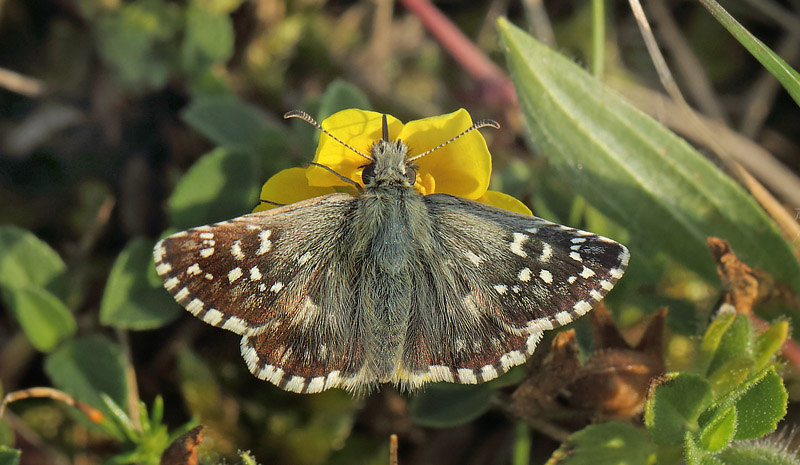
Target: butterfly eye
(368,174)
(411,175)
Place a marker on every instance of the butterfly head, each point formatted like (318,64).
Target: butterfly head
(389,165)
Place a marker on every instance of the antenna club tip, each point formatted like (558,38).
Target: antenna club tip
(293,114)
(488,123)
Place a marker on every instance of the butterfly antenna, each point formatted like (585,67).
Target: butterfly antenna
(308,119)
(478,124)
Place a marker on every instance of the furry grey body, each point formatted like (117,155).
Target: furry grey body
(391,223)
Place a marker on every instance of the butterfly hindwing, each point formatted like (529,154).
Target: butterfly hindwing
(497,280)
(269,277)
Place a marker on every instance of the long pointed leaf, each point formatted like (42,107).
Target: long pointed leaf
(633,169)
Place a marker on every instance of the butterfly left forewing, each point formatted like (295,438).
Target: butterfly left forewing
(497,280)
(273,278)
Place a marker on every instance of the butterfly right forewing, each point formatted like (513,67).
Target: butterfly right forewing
(497,281)
(274,278)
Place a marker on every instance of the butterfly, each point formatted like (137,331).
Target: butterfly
(387,286)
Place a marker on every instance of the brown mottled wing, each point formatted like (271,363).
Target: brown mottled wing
(274,277)
(496,281)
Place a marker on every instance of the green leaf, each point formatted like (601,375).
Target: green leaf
(761,407)
(712,339)
(769,343)
(446,405)
(735,343)
(220,185)
(719,432)
(633,169)
(760,453)
(130,301)
(237,125)
(44,318)
(86,367)
(731,375)
(341,95)
(9,456)
(695,454)
(26,261)
(606,444)
(674,404)
(209,37)
(785,74)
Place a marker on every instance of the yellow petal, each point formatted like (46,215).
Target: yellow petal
(504,201)
(289,186)
(357,128)
(462,167)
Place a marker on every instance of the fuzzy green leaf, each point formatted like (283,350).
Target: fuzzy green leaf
(769,343)
(130,301)
(9,456)
(240,126)
(773,452)
(26,261)
(735,343)
(606,444)
(761,407)
(208,39)
(731,375)
(220,185)
(87,366)
(673,406)
(695,454)
(44,318)
(786,75)
(719,432)
(445,405)
(712,339)
(633,169)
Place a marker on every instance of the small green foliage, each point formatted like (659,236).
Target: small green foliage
(86,367)
(761,452)
(219,186)
(719,432)
(130,299)
(26,262)
(44,318)
(610,443)
(9,456)
(147,443)
(674,406)
(445,405)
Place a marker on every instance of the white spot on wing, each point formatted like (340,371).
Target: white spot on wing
(488,372)
(182,294)
(236,250)
(316,384)
(476,260)
(265,244)
(547,252)
(304,258)
(213,317)
(572,279)
(205,253)
(194,270)
(234,274)
(440,373)
(546,276)
(255,274)
(516,246)
(276,287)
(206,235)
(171,283)
(581,307)
(615,273)
(163,268)
(195,306)
(235,324)
(595,295)
(296,384)
(525,275)
(586,273)
(563,318)
(575,256)
(606,285)
(467,376)
(501,288)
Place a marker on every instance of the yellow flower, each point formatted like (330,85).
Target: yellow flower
(462,167)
